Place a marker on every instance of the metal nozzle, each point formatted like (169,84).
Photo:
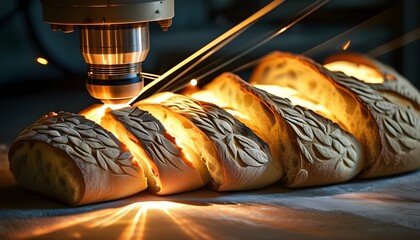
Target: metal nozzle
(114,40)
(114,54)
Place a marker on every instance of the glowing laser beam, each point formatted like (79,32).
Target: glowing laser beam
(339,38)
(396,43)
(301,15)
(238,28)
(259,42)
(331,42)
(150,75)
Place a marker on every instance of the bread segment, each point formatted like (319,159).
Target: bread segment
(167,169)
(386,80)
(235,157)
(74,160)
(312,149)
(388,132)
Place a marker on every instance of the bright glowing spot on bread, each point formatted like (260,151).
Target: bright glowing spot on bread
(362,72)
(208,96)
(116,106)
(158,98)
(346,45)
(96,112)
(180,145)
(193,82)
(42,61)
(238,114)
(294,96)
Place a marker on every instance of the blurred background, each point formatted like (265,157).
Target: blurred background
(29,89)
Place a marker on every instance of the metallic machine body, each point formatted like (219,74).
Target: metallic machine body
(114,36)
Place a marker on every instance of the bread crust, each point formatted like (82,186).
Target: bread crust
(393,82)
(101,167)
(388,132)
(167,169)
(240,159)
(315,150)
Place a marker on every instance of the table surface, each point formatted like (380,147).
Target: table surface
(386,208)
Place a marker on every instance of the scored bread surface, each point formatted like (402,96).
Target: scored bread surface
(314,151)
(235,157)
(167,169)
(389,133)
(236,137)
(395,87)
(70,158)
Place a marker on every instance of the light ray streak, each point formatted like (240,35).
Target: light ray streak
(396,43)
(250,20)
(344,36)
(150,75)
(301,15)
(136,229)
(112,218)
(189,227)
(247,65)
(61,224)
(204,57)
(327,44)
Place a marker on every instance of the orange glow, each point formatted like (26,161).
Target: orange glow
(42,61)
(158,97)
(207,96)
(360,71)
(295,97)
(193,82)
(346,45)
(132,218)
(97,112)
(182,147)
(163,219)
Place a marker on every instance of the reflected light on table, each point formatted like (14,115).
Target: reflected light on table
(128,222)
(187,220)
(131,219)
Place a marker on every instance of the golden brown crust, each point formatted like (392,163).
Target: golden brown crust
(374,120)
(399,130)
(392,82)
(167,169)
(315,150)
(240,156)
(102,166)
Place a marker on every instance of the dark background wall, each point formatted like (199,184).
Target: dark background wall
(28,89)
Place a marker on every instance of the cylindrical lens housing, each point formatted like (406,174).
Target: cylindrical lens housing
(114,54)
